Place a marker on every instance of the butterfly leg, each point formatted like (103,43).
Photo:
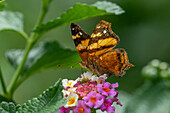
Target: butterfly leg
(74,65)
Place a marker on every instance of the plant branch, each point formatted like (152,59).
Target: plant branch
(20,68)
(22,79)
(24,35)
(2,82)
(30,43)
(3,98)
(40,20)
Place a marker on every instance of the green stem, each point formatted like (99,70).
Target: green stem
(6,98)
(22,79)
(2,82)
(3,98)
(20,68)
(40,20)
(93,110)
(23,34)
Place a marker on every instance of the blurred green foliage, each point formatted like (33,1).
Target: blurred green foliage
(154,95)
(157,70)
(143,31)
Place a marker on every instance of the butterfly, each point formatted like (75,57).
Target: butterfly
(96,51)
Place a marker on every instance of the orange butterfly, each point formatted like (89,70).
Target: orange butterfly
(97,53)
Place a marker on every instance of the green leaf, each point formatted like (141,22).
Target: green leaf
(109,7)
(8,107)
(151,98)
(46,55)
(48,102)
(11,21)
(81,12)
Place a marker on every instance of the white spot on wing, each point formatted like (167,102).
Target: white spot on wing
(80,33)
(104,31)
(73,29)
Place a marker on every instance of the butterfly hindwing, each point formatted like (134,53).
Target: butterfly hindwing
(116,61)
(103,39)
(81,40)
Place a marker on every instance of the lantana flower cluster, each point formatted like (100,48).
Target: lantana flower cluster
(89,93)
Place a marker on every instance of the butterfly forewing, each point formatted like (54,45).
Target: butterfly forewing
(103,39)
(81,40)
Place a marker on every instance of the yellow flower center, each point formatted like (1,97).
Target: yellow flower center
(72,101)
(69,84)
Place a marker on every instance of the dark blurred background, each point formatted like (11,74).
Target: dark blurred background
(144,31)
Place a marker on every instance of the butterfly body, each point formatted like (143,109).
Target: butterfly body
(96,51)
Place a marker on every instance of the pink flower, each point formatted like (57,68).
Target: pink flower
(64,110)
(106,106)
(111,109)
(81,108)
(93,99)
(84,89)
(89,93)
(115,85)
(106,89)
(117,100)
